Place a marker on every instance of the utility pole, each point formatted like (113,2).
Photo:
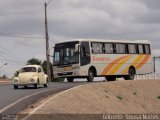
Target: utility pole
(154,63)
(47,44)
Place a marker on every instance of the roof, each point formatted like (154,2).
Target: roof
(32,66)
(107,40)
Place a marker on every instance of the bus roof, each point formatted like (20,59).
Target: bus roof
(105,40)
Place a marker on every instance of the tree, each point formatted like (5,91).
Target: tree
(4,76)
(16,74)
(44,66)
(34,61)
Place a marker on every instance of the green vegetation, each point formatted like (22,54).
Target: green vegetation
(158,97)
(134,93)
(119,97)
(107,96)
(4,77)
(34,61)
(58,79)
(106,91)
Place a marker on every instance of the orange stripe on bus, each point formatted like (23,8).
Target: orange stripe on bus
(119,65)
(143,61)
(135,62)
(106,70)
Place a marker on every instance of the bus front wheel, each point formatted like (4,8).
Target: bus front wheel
(90,75)
(70,79)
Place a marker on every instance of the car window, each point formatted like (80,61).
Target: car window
(28,69)
(39,70)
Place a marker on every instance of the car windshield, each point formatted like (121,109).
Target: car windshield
(65,54)
(28,69)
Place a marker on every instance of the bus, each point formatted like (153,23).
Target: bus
(89,58)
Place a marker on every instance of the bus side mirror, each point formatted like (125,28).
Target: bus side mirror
(77,46)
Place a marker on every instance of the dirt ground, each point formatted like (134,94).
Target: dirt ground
(5,81)
(118,97)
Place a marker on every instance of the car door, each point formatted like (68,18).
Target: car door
(40,75)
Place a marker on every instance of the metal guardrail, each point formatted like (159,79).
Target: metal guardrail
(148,76)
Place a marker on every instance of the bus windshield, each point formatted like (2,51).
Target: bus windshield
(65,54)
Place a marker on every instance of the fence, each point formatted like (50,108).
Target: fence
(148,76)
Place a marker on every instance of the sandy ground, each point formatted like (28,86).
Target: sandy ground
(120,97)
(5,81)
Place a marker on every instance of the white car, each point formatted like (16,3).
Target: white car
(30,75)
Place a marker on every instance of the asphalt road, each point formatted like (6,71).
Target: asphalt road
(8,95)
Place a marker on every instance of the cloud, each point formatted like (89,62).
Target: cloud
(116,19)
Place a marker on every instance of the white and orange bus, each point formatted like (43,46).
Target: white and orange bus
(89,58)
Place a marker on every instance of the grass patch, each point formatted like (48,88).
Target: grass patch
(134,93)
(158,97)
(106,91)
(119,97)
(107,96)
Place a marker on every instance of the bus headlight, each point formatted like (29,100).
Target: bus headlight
(76,67)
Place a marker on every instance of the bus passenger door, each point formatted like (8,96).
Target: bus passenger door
(85,53)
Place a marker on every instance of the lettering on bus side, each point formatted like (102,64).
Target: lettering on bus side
(100,59)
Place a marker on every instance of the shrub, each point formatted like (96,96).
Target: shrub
(58,79)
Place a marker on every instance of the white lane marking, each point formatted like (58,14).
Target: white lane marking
(12,104)
(41,105)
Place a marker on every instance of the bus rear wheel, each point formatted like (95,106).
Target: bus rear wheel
(131,74)
(70,79)
(110,78)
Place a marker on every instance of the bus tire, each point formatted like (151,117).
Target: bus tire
(90,77)
(111,78)
(131,74)
(70,79)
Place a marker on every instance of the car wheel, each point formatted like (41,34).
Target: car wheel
(25,87)
(46,85)
(35,86)
(15,87)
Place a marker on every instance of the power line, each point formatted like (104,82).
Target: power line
(16,36)
(19,36)
(9,53)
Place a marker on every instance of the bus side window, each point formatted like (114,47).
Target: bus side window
(147,49)
(97,47)
(141,49)
(120,48)
(132,49)
(108,48)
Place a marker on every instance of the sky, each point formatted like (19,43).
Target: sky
(22,25)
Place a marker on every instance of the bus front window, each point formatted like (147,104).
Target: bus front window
(64,55)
